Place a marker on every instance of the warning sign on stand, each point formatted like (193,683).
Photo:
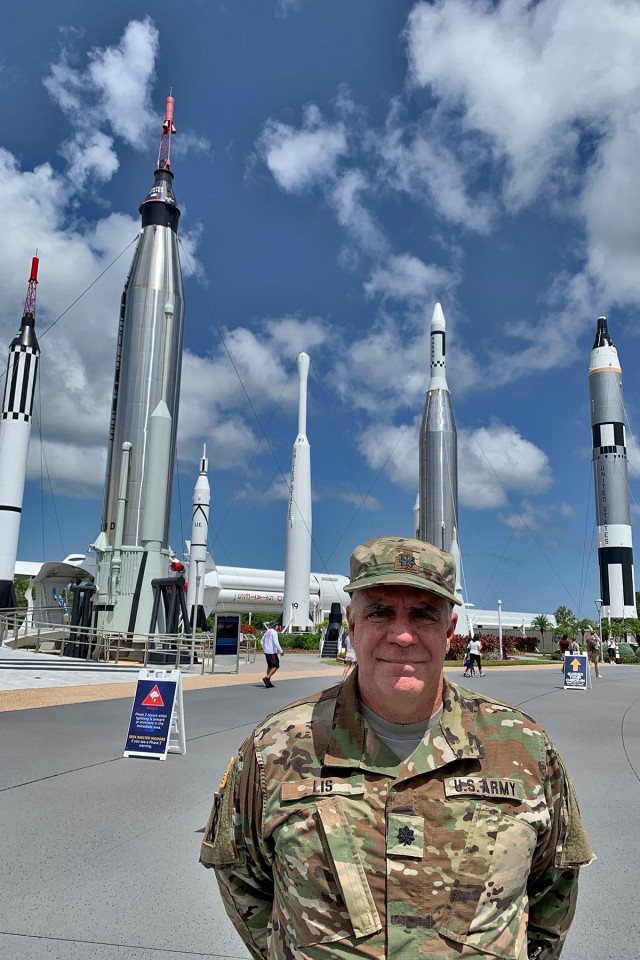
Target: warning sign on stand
(153,699)
(157,714)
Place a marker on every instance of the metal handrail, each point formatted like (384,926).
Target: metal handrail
(98,644)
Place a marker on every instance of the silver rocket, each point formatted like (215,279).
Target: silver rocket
(144,410)
(198,548)
(436,509)
(613,518)
(15,431)
(438,490)
(297,564)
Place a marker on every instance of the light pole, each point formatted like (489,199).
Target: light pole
(500,628)
(598,604)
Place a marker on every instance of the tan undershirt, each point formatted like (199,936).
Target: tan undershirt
(401,738)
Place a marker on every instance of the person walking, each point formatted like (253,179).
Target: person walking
(474,648)
(611,649)
(563,647)
(272,651)
(393,816)
(593,651)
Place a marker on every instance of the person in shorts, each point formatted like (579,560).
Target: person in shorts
(272,651)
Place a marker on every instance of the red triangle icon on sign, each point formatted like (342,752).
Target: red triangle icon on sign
(153,698)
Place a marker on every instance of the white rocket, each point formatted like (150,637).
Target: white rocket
(436,509)
(297,565)
(613,517)
(133,546)
(198,549)
(15,430)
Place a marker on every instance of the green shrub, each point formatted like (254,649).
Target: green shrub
(299,641)
(627,654)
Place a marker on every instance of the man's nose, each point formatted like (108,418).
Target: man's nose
(401,631)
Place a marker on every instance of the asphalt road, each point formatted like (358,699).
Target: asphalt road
(100,853)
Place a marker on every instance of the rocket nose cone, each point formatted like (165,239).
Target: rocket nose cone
(437,319)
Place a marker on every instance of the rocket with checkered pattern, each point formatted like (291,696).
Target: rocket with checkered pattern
(438,491)
(15,431)
(436,509)
(613,517)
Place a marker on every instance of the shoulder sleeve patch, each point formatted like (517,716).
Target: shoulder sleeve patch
(575,850)
(218,847)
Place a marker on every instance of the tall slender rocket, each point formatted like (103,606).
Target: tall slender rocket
(15,430)
(436,509)
(297,565)
(438,491)
(613,517)
(145,403)
(198,549)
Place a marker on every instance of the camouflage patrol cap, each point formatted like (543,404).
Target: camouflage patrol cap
(403,562)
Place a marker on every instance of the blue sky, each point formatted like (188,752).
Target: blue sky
(340,166)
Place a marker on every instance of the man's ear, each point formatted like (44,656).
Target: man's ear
(350,619)
(451,629)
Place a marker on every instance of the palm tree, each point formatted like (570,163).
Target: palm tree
(542,624)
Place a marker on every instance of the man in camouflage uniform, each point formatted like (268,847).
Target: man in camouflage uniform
(398,815)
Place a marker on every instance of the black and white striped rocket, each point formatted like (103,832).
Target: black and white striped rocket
(297,564)
(198,546)
(613,517)
(15,431)
(132,548)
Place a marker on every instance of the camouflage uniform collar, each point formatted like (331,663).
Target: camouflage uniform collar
(353,744)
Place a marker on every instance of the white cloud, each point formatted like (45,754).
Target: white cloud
(495,461)
(113,90)
(610,205)
(299,159)
(533,518)
(122,77)
(262,378)
(277,490)
(359,500)
(393,450)
(74,471)
(387,370)
(526,90)
(527,75)
(352,214)
(406,277)
(416,159)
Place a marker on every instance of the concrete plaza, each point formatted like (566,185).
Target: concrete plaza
(100,853)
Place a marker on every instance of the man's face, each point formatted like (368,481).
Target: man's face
(401,636)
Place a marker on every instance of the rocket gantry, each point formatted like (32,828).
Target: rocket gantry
(613,517)
(15,431)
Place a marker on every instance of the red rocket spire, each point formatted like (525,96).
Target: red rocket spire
(30,302)
(164,153)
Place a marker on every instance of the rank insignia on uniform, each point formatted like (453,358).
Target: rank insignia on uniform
(406,836)
(407,561)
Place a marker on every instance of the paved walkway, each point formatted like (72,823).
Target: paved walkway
(30,680)
(100,853)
